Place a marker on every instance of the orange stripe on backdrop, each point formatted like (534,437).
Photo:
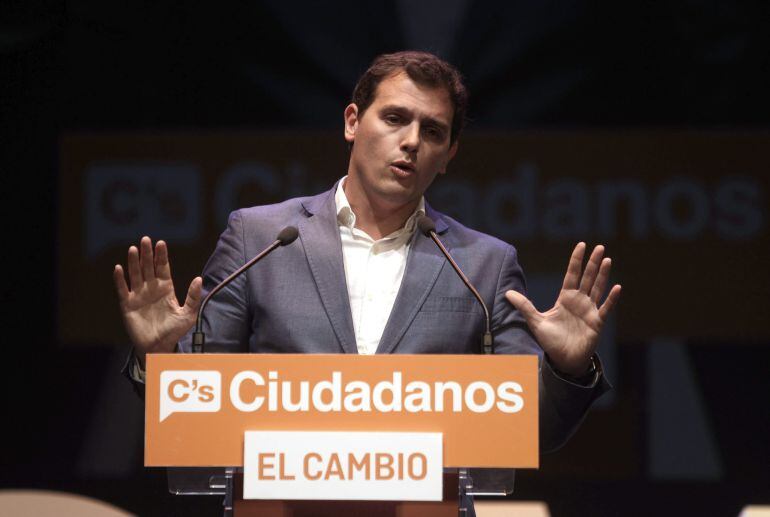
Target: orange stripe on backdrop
(681,212)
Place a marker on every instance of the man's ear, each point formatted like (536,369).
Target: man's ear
(351,122)
(452,152)
(453,149)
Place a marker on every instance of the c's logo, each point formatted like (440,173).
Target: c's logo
(191,391)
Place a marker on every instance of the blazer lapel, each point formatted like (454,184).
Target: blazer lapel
(323,248)
(423,266)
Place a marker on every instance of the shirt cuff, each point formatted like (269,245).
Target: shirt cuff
(136,372)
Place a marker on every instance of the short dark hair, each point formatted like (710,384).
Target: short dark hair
(424,69)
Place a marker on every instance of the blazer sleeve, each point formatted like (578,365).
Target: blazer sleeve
(562,404)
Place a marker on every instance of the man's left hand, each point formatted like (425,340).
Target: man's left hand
(569,332)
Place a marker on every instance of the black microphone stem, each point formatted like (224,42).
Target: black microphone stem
(488,333)
(198,341)
(285,236)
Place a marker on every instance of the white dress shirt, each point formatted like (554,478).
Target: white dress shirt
(373,270)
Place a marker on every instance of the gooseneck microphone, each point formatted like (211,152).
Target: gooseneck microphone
(285,236)
(428,228)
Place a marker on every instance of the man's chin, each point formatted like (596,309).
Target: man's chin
(398,195)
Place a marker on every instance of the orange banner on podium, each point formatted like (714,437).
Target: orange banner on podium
(198,406)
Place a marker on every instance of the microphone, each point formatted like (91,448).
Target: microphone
(284,237)
(428,228)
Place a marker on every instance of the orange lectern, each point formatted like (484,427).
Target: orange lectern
(300,435)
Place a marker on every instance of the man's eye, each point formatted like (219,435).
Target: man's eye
(392,119)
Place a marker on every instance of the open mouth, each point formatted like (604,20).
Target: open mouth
(402,168)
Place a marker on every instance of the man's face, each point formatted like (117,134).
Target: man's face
(400,142)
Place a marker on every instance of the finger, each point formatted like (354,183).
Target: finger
(610,302)
(146,260)
(193,299)
(601,280)
(120,283)
(162,265)
(572,277)
(523,305)
(592,268)
(134,272)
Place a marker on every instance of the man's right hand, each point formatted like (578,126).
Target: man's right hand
(154,320)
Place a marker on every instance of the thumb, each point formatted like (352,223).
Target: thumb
(522,304)
(193,299)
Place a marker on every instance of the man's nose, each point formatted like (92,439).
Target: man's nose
(410,140)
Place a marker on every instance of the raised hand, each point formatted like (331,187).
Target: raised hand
(569,331)
(151,312)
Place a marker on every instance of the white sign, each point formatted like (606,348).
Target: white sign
(330,465)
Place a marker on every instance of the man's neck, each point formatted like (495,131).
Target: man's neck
(377,220)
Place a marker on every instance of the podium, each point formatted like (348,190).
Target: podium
(315,435)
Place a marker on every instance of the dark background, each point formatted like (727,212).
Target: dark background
(277,66)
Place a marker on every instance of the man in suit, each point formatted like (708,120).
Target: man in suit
(360,279)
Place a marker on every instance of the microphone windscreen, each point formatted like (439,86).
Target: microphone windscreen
(287,235)
(426,225)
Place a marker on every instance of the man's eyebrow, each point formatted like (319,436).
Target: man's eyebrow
(401,110)
(443,126)
(397,109)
